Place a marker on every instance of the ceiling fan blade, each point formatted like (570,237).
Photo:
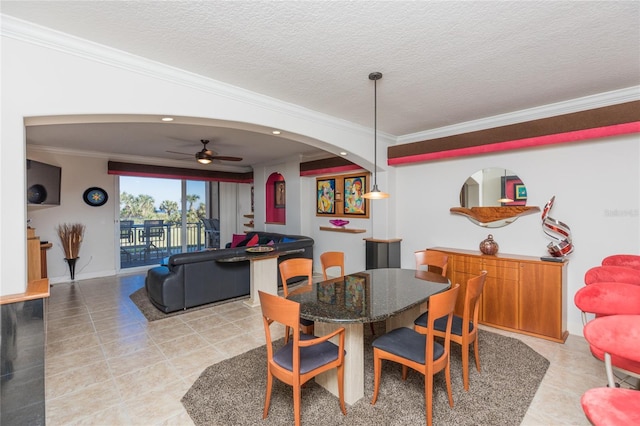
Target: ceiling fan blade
(225,158)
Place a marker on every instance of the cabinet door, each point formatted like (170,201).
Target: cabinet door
(500,294)
(460,269)
(541,299)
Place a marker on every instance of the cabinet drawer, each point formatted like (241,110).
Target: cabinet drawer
(502,269)
(466,264)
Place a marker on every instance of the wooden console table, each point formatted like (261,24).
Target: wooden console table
(522,293)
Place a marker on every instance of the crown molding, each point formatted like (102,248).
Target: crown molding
(38,35)
(560,108)
(42,36)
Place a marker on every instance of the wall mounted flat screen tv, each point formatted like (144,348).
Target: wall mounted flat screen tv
(43,183)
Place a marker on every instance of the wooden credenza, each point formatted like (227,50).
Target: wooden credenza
(521,293)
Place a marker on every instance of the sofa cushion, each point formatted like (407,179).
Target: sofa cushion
(237,239)
(253,241)
(264,239)
(248,241)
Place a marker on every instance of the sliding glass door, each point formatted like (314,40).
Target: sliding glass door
(161,217)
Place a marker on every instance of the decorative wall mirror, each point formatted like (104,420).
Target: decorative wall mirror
(493,198)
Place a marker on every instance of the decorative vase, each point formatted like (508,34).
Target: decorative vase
(72,267)
(339,223)
(489,246)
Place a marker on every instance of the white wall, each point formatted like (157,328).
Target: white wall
(597,189)
(99,248)
(596,183)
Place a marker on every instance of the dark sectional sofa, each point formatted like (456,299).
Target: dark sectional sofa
(193,279)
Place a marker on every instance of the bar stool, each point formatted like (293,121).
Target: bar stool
(614,339)
(611,407)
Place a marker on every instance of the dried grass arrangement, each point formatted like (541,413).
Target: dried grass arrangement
(71,238)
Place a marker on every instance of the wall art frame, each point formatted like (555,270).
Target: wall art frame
(326,196)
(347,195)
(513,188)
(279,194)
(354,204)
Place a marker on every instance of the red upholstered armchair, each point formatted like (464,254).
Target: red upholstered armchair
(611,407)
(608,298)
(621,274)
(626,260)
(614,339)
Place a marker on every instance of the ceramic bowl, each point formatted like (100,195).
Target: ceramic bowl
(340,223)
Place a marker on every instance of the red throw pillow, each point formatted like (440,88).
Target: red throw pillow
(253,241)
(237,239)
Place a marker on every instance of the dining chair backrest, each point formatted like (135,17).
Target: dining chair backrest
(278,309)
(432,259)
(609,273)
(332,259)
(295,268)
(305,357)
(404,346)
(626,260)
(212,232)
(441,305)
(126,230)
(154,228)
(471,312)
(607,298)
(211,224)
(464,330)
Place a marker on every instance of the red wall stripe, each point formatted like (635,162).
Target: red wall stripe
(579,135)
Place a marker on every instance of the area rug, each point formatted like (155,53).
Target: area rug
(232,392)
(151,313)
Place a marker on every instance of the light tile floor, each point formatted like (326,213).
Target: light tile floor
(107,365)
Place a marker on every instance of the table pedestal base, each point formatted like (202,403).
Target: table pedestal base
(405,318)
(353,362)
(264,277)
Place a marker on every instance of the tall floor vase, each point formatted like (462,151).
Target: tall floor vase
(72,267)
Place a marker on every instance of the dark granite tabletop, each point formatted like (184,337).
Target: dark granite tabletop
(368,296)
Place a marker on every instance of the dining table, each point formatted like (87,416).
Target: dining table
(394,295)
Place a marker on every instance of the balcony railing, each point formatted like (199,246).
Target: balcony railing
(140,245)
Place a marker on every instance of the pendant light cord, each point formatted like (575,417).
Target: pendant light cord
(375,132)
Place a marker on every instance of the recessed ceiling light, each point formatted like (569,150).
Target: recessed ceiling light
(276,132)
(343,152)
(167,119)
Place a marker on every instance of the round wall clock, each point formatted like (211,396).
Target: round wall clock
(95,197)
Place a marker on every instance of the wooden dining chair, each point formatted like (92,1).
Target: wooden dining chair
(301,359)
(464,330)
(432,259)
(296,268)
(332,259)
(335,259)
(419,351)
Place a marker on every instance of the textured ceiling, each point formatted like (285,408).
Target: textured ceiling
(444,63)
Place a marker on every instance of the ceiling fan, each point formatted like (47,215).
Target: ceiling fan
(206,156)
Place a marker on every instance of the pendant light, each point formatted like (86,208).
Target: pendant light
(504,198)
(375,193)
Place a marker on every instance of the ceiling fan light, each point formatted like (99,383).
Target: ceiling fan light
(203,158)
